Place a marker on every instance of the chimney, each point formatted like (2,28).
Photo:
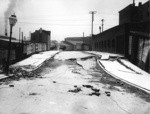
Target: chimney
(5,31)
(133,2)
(140,3)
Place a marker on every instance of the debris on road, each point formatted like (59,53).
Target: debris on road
(76,90)
(72,59)
(75,86)
(107,93)
(54,81)
(33,93)
(11,85)
(87,86)
(96,90)
(95,93)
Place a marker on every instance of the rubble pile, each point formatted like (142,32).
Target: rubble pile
(94,91)
(20,73)
(76,90)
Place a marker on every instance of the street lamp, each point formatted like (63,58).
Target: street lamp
(12,22)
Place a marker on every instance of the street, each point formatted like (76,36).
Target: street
(70,83)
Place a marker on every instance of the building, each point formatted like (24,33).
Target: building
(14,53)
(79,43)
(66,46)
(133,13)
(130,38)
(54,45)
(43,37)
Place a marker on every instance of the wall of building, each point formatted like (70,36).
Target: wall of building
(130,38)
(144,10)
(134,13)
(41,36)
(111,40)
(140,50)
(79,43)
(35,47)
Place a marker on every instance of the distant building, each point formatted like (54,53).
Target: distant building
(53,45)
(66,46)
(130,38)
(79,43)
(41,36)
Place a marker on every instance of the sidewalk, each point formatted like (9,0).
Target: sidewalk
(127,72)
(123,70)
(33,62)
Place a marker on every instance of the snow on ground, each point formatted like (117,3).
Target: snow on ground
(50,94)
(3,76)
(135,76)
(135,68)
(87,64)
(35,60)
(105,55)
(71,54)
(142,79)
(126,71)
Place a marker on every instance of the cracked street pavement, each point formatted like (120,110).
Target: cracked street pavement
(75,85)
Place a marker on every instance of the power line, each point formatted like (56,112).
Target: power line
(54,24)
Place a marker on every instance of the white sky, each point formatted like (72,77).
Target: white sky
(64,18)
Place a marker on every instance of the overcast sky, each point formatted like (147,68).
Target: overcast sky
(64,18)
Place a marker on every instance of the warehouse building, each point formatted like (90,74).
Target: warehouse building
(130,38)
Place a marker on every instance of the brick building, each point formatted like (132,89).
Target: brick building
(41,36)
(130,38)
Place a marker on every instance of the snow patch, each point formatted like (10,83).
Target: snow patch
(120,71)
(34,61)
(70,55)
(87,64)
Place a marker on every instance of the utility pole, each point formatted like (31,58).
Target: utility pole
(22,47)
(83,37)
(29,36)
(19,45)
(22,37)
(133,1)
(19,35)
(102,24)
(100,29)
(92,12)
